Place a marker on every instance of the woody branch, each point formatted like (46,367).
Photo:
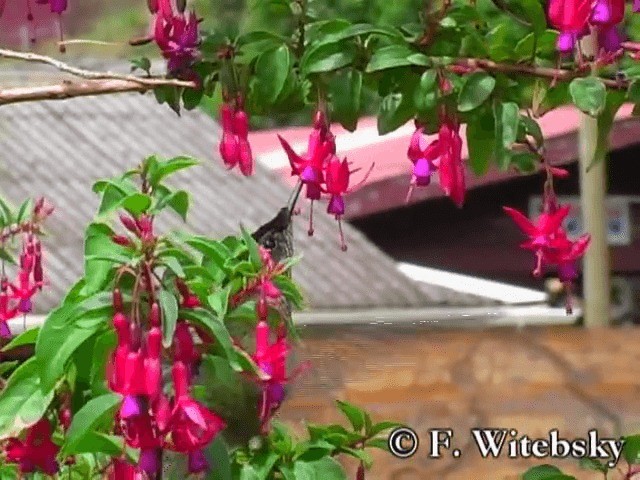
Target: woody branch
(93,83)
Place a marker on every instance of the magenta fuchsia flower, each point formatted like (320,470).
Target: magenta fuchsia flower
(6,314)
(192,425)
(234,145)
(571,18)
(549,241)
(176,34)
(443,155)
(37,452)
(337,185)
(24,290)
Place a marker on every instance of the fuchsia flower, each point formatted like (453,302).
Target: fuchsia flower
(6,314)
(37,452)
(192,425)
(443,155)
(549,241)
(25,289)
(310,167)
(337,185)
(177,36)
(571,18)
(234,145)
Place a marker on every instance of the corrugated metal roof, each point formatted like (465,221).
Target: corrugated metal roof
(59,148)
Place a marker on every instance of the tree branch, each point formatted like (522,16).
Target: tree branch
(69,89)
(96,83)
(544,72)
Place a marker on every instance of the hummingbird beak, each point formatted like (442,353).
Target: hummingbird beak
(293,199)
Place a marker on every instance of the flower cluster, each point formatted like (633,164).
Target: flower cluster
(234,145)
(37,452)
(176,34)
(16,297)
(149,419)
(548,240)
(573,18)
(321,171)
(443,155)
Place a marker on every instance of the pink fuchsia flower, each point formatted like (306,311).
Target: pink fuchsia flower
(122,470)
(192,425)
(337,185)
(140,432)
(450,164)
(176,34)
(37,452)
(571,18)
(229,144)
(422,156)
(25,290)
(117,362)
(197,462)
(309,168)
(6,314)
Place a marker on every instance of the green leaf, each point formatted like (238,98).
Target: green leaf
(96,271)
(481,141)
(327,57)
(532,128)
(27,337)
(545,472)
(381,443)
(382,426)
(5,213)
(353,413)
(391,56)
(173,264)
(64,330)
(8,366)
(96,413)
(25,210)
(631,449)
(252,246)
(362,455)
(179,202)
(475,91)
(271,71)
(219,301)
(23,400)
(260,467)
(589,95)
(137,203)
(169,307)
(324,469)
(102,348)
(170,166)
(396,109)
(426,95)
(345,90)
(593,464)
(217,454)
(142,63)
(217,328)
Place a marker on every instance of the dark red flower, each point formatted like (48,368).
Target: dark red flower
(37,452)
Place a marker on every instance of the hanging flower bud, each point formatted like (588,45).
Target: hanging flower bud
(117,300)
(152,367)
(121,240)
(129,223)
(154,315)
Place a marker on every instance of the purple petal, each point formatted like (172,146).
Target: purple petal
(198,462)
(609,39)
(601,13)
(25,305)
(4,330)
(130,407)
(566,41)
(567,272)
(275,393)
(422,172)
(336,205)
(149,461)
(58,6)
(309,175)
(636,6)
(313,191)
